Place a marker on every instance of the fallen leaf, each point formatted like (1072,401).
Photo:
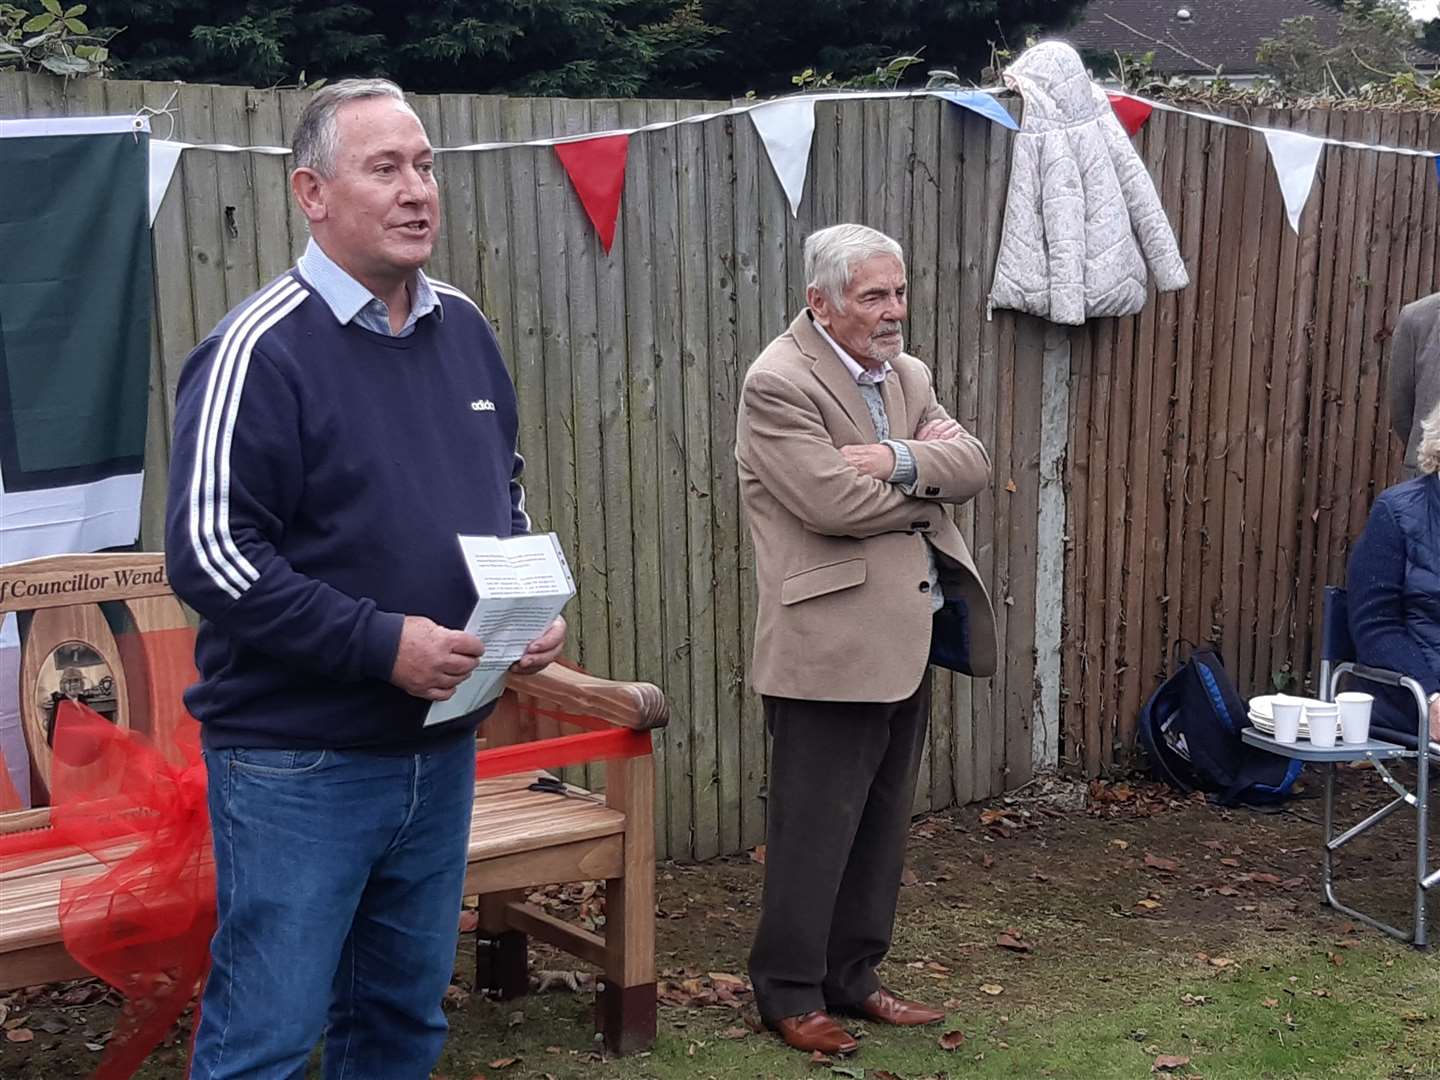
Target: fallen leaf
(1230,862)
(1414,1016)
(456,997)
(19,1035)
(882,1074)
(1166,866)
(988,861)
(469,920)
(817,1058)
(515,1019)
(1228,890)
(1121,844)
(1335,958)
(845,1070)
(909,877)
(1193,999)
(1270,1003)
(1263,879)
(724,978)
(952,1040)
(1008,940)
(77,995)
(1010,486)
(757,854)
(503,1063)
(735,1033)
(1148,904)
(1221,962)
(1038,876)
(1166,1062)
(993,989)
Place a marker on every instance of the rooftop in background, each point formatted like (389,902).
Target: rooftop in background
(1193,37)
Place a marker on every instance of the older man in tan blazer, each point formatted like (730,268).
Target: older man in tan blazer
(846,460)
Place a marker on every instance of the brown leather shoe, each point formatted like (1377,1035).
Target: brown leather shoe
(887,1008)
(814,1031)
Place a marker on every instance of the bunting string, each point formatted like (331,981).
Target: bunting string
(595,161)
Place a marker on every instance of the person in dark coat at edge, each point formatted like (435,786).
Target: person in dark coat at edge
(1393,591)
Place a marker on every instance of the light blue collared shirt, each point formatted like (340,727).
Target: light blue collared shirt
(351,301)
(868,380)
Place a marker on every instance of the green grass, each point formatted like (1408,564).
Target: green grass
(1376,1015)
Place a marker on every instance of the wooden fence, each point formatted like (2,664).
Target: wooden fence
(1191,474)
(1226,444)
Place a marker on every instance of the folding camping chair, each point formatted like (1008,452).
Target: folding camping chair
(1337,661)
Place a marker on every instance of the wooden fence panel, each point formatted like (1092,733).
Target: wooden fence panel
(1223,446)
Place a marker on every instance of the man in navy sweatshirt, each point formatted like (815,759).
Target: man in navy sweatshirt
(333,434)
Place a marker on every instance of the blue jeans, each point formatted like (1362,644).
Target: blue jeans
(338,881)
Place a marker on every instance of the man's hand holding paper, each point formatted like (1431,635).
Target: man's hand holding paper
(521,583)
(541,652)
(433,660)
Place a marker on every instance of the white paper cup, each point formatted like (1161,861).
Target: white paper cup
(1323,721)
(1285,712)
(1354,715)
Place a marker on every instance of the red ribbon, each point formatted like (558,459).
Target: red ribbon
(144,924)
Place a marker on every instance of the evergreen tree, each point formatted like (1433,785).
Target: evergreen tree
(578,48)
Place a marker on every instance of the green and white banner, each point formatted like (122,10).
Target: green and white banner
(75,311)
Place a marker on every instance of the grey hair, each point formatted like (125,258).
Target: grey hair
(316,135)
(1428,454)
(832,254)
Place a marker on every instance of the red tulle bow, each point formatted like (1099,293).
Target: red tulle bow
(144,923)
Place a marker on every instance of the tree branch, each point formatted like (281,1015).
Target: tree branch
(1213,68)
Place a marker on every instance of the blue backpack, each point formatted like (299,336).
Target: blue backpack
(1190,729)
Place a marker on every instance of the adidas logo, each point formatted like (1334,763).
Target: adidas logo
(483,405)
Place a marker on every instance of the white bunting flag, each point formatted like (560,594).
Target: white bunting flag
(787,128)
(164,156)
(1295,157)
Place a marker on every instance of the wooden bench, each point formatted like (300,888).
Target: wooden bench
(107,627)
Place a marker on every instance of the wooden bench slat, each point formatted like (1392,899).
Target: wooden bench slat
(509,820)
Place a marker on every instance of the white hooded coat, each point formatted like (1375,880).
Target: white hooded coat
(1081,216)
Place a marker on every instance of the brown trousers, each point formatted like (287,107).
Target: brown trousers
(842,784)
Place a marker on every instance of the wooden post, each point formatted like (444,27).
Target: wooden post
(625,1001)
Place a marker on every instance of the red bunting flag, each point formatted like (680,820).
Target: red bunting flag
(597,169)
(1131,112)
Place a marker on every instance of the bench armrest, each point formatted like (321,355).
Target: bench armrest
(637,705)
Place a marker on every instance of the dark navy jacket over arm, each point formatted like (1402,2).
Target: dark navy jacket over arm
(1393,591)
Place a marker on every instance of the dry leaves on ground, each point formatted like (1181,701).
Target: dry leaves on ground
(952,1040)
(1011,940)
(1167,1062)
(694,990)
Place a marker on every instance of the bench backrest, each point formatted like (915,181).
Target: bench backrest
(103,629)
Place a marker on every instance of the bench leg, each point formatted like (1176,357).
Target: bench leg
(625,1002)
(501,954)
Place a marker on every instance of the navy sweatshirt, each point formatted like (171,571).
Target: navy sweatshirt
(319,476)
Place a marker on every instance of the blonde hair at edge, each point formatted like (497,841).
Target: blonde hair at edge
(1428,456)
(832,254)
